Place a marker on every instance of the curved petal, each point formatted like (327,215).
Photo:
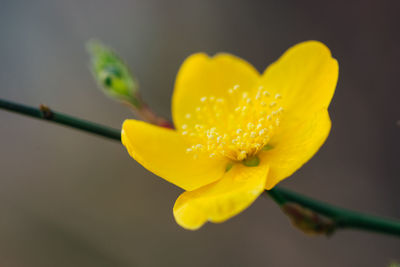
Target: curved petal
(163,152)
(201,76)
(294,145)
(223,199)
(305,76)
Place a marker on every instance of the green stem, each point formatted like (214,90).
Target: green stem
(44,113)
(276,196)
(343,218)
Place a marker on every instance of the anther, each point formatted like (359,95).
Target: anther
(266,93)
(242,155)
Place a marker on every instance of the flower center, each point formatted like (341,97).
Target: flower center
(236,127)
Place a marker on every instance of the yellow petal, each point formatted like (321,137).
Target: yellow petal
(201,76)
(305,76)
(294,145)
(163,152)
(223,199)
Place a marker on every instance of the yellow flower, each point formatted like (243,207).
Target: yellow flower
(238,132)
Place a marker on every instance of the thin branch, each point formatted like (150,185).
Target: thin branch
(45,113)
(343,218)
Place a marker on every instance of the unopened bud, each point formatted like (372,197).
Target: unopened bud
(112,74)
(308,221)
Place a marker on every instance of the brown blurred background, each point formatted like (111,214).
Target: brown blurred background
(71,199)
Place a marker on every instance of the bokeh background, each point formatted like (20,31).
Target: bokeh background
(68,198)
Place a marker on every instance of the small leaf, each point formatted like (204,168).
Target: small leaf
(112,74)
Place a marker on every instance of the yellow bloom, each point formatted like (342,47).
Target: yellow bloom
(238,132)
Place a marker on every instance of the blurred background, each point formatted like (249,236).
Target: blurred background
(68,198)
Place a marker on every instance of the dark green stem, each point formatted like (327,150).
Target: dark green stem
(343,218)
(44,113)
(276,196)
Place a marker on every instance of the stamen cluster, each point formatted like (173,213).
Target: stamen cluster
(236,127)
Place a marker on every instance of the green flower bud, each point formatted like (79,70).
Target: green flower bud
(112,74)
